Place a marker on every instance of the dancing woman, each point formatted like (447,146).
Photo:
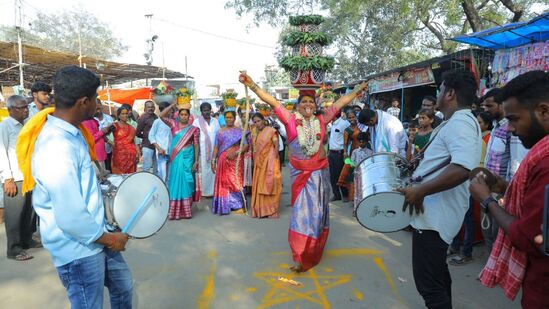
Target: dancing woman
(311,189)
(229,182)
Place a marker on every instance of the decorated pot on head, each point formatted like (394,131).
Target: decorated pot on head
(229,98)
(163,92)
(184,98)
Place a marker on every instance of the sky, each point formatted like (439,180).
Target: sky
(210,59)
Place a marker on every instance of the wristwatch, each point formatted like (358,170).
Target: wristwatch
(484,204)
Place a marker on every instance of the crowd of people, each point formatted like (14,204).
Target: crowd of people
(235,158)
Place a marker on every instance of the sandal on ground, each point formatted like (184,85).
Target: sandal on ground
(296,268)
(33,244)
(22,256)
(450,252)
(460,260)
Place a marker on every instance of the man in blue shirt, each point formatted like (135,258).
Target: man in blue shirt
(68,200)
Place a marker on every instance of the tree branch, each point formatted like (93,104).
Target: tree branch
(516,10)
(471,14)
(482,5)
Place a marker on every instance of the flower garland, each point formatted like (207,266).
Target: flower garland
(308,134)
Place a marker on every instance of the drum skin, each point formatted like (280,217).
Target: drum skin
(380,206)
(132,190)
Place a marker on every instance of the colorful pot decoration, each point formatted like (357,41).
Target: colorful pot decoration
(263,109)
(163,92)
(229,98)
(184,98)
(306,65)
(289,106)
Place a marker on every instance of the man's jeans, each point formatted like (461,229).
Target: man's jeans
(149,160)
(84,280)
(162,163)
(468,233)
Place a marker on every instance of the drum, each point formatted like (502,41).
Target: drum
(379,205)
(137,204)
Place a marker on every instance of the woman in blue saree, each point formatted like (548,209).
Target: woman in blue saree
(184,152)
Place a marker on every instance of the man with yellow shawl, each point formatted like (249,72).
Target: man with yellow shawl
(55,154)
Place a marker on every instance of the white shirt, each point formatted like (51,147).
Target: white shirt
(160,134)
(107,121)
(336,133)
(281,132)
(33,109)
(460,138)
(518,152)
(212,128)
(9,132)
(439,114)
(388,135)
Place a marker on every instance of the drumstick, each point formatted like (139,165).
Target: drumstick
(138,211)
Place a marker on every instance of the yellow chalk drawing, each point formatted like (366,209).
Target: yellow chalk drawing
(358,294)
(381,265)
(251,289)
(312,290)
(208,293)
(352,252)
(314,286)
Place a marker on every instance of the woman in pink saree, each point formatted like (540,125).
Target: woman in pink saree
(306,129)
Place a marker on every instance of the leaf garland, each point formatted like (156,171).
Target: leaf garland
(299,63)
(294,38)
(306,20)
(229,95)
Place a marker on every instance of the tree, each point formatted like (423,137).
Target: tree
(69,31)
(376,35)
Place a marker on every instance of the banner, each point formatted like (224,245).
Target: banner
(410,78)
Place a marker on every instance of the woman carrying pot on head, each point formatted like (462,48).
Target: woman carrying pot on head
(184,152)
(228,167)
(311,188)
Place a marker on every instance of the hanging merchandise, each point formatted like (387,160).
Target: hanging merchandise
(509,63)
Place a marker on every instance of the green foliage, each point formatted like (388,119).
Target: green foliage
(229,95)
(294,38)
(371,36)
(306,20)
(299,63)
(60,31)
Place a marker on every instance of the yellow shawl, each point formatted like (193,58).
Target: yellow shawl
(25,145)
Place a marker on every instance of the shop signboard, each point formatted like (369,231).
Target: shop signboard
(398,80)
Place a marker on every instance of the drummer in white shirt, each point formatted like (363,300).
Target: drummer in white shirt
(440,200)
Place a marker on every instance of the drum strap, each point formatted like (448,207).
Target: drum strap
(414,163)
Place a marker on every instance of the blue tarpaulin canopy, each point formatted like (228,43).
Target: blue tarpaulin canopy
(510,35)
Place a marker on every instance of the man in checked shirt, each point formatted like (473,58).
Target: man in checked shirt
(498,152)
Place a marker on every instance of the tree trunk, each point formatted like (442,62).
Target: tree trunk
(472,15)
(517,11)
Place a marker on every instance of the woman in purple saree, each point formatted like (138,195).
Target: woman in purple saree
(229,173)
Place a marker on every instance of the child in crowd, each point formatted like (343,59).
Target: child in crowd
(357,156)
(418,138)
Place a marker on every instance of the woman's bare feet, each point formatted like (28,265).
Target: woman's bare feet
(296,268)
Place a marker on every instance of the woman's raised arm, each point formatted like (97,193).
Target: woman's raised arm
(262,94)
